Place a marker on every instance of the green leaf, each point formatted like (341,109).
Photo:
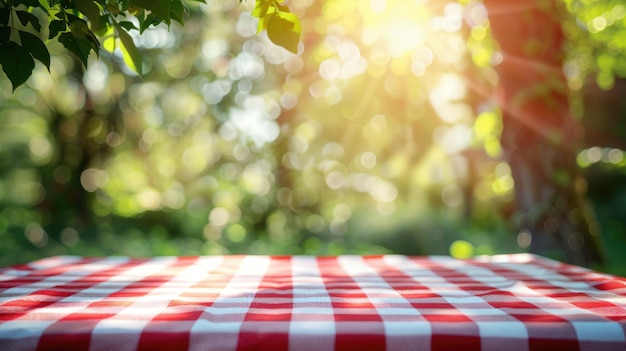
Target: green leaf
(79,46)
(150,20)
(132,56)
(71,19)
(36,47)
(263,23)
(26,17)
(265,10)
(90,10)
(160,8)
(103,25)
(5,34)
(16,63)
(176,11)
(4,16)
(284,29)
(32,3)
(95,44)
(128,25)
(44,5)
(55,27)
(79,27)
(261,8)
(124,4)
(264,19)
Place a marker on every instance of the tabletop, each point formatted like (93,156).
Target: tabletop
(247,302)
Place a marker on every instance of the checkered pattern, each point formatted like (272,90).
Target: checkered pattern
(510,302)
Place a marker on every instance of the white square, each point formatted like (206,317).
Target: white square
(300,299)
(564,312)
(599,331)
(119,326)
(21,292)
(407,328)
(509,329)
(389,300)
(311,310)
(204,326)
(227,310)
(482,312)
(617,300)
(23,329)
(465,300)
(398,311)
(312,328)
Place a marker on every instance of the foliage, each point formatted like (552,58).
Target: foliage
(597,41)
(81,26)
(283,27)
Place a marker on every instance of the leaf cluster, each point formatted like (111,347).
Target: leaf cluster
(598,36)
(283,27)
(79,25)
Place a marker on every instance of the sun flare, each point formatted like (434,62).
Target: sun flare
(401,26)
(404,38)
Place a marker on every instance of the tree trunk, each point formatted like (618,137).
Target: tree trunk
(540,137)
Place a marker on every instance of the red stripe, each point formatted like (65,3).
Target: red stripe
(269,290)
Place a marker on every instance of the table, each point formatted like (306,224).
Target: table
(245,302)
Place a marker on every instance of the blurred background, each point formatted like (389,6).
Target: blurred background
(369,141)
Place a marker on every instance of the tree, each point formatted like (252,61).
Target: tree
(540,135)
(81,26)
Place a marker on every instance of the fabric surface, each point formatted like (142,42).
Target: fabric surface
(506,302)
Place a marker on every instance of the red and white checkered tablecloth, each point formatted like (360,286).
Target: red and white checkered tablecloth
(509,302)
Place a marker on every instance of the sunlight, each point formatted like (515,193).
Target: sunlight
(402,36)
(401,26)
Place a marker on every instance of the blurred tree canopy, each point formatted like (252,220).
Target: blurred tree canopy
(77,25)
(385,133)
